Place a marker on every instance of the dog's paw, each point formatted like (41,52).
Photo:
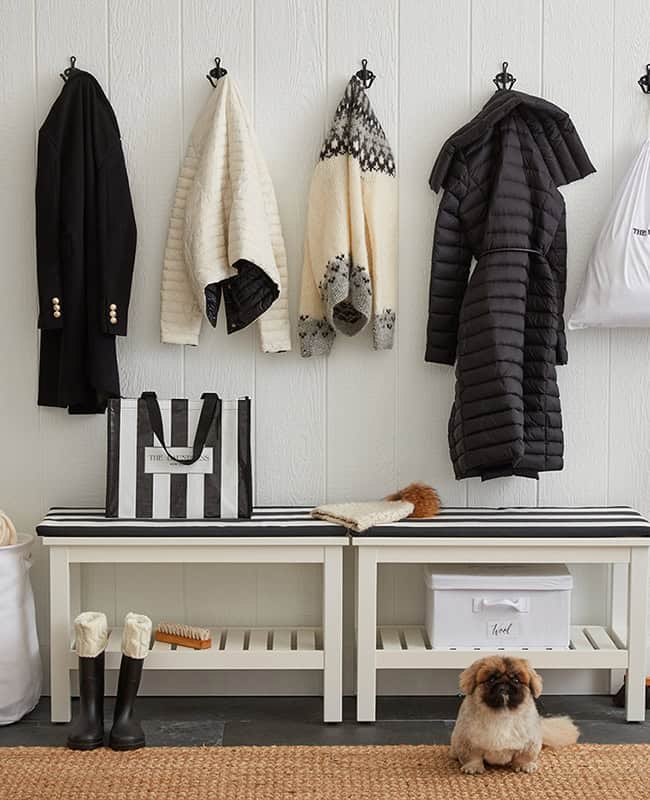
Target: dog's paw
(529,767)
(473,768)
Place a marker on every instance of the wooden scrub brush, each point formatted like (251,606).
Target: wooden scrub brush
(183,635)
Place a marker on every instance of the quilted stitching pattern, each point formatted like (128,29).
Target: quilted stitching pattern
(503,325)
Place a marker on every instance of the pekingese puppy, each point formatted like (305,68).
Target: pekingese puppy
(498,722)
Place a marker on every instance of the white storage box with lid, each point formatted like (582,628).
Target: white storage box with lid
(520,605)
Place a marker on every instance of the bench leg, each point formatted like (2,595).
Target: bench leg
(617,616)
(333,635)
(366,606)
(637,635)
(59,634)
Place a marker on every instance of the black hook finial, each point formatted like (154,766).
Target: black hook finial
(68,70)
(365,75)
(644,80)
(504,80)
(216,72)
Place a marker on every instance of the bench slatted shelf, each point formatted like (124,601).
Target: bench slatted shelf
(286,535)
(399,651)
(603,535)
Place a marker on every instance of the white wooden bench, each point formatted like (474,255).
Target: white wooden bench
(488,536)
(271,536)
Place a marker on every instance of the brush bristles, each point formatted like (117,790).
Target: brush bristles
(186,631)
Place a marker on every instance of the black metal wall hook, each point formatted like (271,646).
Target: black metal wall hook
(68,70)
(365,75)
(216,72)
(644,80)
(504,80)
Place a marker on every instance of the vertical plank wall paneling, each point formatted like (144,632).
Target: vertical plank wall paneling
(518,42)
(221,593)
(433,98)
(361,385)
(71,449)
(583,381)
(144,82)
(18,291)
(629,377)
(628,463)
(289,114)
(359,423)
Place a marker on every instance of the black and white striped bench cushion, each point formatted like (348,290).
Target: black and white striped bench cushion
(603,522)
(264,522)
(286,521)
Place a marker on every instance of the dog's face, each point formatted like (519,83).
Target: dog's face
(501,683)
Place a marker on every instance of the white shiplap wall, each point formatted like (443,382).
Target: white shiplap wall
(361,423)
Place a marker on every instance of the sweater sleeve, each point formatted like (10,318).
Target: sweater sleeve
(180,314)
(48,245)
(117,240)
(274,326)
(450,265)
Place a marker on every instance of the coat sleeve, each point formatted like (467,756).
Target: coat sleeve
(557,257)
(450,265)
(117,240)
(48,245)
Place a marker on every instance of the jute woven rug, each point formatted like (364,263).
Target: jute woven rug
(582,772)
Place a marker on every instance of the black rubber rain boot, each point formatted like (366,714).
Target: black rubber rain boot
(127,733)
(87,731)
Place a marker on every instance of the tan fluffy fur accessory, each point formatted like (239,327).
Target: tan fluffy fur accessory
(424,499)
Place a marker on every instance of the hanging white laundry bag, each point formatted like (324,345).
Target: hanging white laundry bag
(616,289)
(20,660)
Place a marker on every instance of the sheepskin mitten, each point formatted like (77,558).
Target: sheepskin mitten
(359,517)
(91,634)
(136,635)
(7,531)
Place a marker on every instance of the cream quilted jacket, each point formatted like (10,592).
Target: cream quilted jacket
(224,237)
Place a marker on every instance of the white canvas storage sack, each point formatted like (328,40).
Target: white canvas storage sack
(20,660)
(179,459)
(616,289)
(495,605)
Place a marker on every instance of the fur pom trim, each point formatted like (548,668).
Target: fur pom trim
(136,636)
(425,500)
(90,634)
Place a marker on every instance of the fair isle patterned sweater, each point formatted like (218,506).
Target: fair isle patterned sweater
(349,272)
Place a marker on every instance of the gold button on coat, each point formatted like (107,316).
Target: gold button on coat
(112,307)
(55,301)
(57,314)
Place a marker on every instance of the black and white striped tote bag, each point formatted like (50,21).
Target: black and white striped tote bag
(180,459)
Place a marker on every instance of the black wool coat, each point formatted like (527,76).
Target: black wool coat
(85,241)
(503,325)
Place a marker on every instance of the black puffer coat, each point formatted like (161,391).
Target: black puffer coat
(505,328)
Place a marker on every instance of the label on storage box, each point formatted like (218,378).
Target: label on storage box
(503,629)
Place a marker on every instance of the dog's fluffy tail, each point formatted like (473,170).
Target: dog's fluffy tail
(558,732)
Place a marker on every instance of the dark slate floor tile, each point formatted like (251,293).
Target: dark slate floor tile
(620,732)
(582,707)
(417,708)
(345,733)
(165,733)
(33,733)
